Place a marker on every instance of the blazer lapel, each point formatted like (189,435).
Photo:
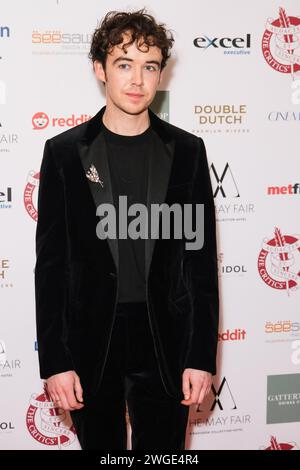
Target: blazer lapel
(158,177)
(95,154)
(92,151)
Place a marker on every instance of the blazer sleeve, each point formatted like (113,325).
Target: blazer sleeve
(201,266)
(50,270)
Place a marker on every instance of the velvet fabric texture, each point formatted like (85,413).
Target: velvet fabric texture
(76,273)
(131,374)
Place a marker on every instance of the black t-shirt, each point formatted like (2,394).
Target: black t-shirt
(128,158)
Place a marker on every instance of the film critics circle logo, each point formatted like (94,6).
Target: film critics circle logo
(280,43)
(47,424)
(33,180)
(275,445)
(279,261)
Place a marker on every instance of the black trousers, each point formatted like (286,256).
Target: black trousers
(158,421)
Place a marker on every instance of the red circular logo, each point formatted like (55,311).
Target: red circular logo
(47,424)
(33,180)
(40,121)
(279,262)
(280,43)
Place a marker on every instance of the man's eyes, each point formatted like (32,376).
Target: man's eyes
(150,68)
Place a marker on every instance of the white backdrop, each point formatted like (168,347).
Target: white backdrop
(242,95)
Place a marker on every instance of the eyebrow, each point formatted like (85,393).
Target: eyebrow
(122,58)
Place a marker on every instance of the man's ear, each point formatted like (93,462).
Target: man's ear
(99,71)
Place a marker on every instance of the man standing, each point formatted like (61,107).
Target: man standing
(125,319)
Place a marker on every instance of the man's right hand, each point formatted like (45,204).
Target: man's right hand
(65,390)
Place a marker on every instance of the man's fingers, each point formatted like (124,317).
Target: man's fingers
(78,389)
(63,403)
(71,399)
(186,386)
(201,395)
(193,396)
(65,390)
(54,396)
(195,392)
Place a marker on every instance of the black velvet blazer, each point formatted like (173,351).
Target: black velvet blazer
(76,273)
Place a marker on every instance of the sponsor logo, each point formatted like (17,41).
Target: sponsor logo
(47,424)
(280,43)
(32,184)
(6,198)
(60,42)
(41,121)
(281,331)
(225,186)
(7,366)
(220,118)
(284,116)
(2,352)
(279,262)
(283,398)
(6,427)
(228,45)
(219,413)
(285,326)
(230,269)
(4,32)
(237,334)
(279,190)
(4,269)
(275,445)
(7,139)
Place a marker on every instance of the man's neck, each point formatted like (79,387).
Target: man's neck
(126,124)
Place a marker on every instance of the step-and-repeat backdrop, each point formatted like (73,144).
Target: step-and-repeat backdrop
(233,80)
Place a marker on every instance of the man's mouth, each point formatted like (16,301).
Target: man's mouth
(134,95)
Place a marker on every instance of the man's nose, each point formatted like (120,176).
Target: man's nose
(137,76)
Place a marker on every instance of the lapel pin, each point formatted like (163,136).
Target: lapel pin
(92,175)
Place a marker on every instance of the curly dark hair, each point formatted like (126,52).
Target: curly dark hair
(143,28)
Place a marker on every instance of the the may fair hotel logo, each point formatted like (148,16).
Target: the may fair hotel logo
(220,118)
(220,411)
(60,42)
(230,204)
(8,139)
(9,365)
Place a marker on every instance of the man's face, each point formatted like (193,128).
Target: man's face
(131,79)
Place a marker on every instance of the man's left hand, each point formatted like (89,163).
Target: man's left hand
(196,384)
